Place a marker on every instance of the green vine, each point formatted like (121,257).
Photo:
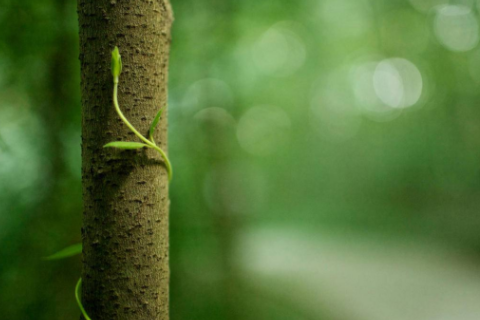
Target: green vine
(116,71)
(79,300)
(128,145)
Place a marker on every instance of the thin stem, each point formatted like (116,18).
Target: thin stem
(79,301)
(168,165)
(149,143)
(124,119)
(151,138)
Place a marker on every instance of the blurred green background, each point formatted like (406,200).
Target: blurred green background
(327,158)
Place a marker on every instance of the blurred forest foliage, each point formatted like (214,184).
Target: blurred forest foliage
(326,156)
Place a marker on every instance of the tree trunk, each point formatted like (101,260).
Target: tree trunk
(125,193)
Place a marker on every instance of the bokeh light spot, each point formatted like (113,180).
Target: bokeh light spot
(334,115)
(207,93)
(235,188)
(346,18)
(398,83)
(427,5)
(215,116)
(404,32)
(365,95)
(279,51)
(456,27)
(263,130)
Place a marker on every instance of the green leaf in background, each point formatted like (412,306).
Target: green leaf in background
(125,145)
(155,123)
(67,252)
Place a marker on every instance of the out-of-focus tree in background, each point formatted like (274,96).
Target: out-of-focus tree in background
(327,159)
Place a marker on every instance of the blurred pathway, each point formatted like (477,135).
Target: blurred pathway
(362,279)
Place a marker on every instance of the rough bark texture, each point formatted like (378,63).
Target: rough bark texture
(125,230)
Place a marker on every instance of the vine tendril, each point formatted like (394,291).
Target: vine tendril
(79,301)
(116,71)
(148,143)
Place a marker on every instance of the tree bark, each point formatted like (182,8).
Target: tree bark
(125,193)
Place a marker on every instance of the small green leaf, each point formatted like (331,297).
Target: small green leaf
(125,145)
(116,63)
(155,123)
(67,252)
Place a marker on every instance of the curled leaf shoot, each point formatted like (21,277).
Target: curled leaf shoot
(116,64)
(116,70)
(79,300)
(66,253)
